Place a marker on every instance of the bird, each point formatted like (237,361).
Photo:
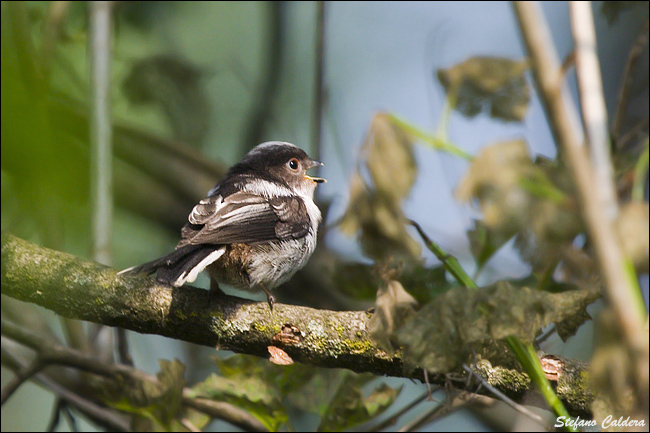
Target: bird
(254,230)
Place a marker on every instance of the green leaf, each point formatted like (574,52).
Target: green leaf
(349,407)
(267,390)
(284,379)
(317,393)
(460,323)
(256,385)
(425,283)
(491,84)
(613,9)
(484,243)
(154,405)
(252,394)
(390,160)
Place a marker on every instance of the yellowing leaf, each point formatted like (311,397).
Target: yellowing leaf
(375,210)
(519,196)
(634,233)
(389,157)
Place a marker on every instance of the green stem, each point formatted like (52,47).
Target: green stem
(530,361)
(448,261)
(445,116)
(640,174)
(435,141)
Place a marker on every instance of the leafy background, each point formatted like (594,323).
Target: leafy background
(205,74)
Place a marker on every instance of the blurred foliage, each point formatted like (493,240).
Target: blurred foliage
(533,200)
(155,407)
(175,85)
(48,171)
(361,281)
(611,371)
(45,130)
(484,243)
(463,322)
(349,407)
(613,9)
(488,84)
(634,233)
(272,393)
(374,211)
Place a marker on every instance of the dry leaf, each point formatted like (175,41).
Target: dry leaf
(279,356)
(374,211)
(493,84)
(393,307)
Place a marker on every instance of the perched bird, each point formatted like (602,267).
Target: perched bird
(255,228)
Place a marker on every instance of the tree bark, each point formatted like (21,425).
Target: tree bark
(85,290)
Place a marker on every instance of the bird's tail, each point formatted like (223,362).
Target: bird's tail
(181,266)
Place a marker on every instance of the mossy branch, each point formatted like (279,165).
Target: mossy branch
(85,290)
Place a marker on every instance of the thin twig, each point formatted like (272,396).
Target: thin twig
(101,131)
(426,382)
(594,111)
(545,335)
(225,411)
(21,377)
(61,407)
(634,131)
(269,79)
(123,346)
(443,409)
(624,93)
(101,136)
(507,400)
(60,355)
(319,86)
(393,419)
(107,418)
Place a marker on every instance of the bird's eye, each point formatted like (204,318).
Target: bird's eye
(294,164)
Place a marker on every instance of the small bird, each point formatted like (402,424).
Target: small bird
(255,228)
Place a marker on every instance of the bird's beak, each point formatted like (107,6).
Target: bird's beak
(315,179)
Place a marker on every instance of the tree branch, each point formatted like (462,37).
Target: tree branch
(104,417)
(618,276)
(54,354)
(85,290)
(21,376)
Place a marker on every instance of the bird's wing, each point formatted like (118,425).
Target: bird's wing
(247,218)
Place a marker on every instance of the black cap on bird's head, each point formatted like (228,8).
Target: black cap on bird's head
(279,161)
